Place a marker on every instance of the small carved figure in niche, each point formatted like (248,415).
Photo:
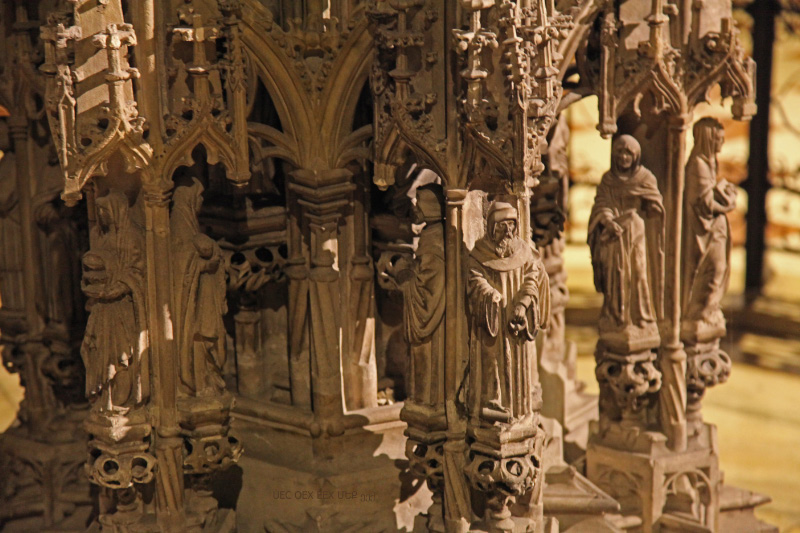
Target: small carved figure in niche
(114,345)
(60,248)
(509,301)
(199,278)
(708,234)
(11,261)
(626,239)
(423,288)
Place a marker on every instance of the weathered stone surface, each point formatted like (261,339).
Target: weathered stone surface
(310,247)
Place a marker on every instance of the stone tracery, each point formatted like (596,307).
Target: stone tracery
(246,284)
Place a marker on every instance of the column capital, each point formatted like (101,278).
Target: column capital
(322,192)
(455,196)
(157,196)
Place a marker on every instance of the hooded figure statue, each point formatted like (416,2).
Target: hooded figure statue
(200,288)
(509,301)
(114,347)
(626,239)
(423,290)
(707,233)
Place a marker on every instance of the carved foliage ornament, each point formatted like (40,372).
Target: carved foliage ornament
(511,88)
(92,126)
(404,80)
(678,73)
(88,131)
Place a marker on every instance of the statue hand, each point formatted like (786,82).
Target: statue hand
(612,230)
(388,281)
(730,192)
(204,245)
(404,276)
(519,322)
(653,208)
(92,290)
(212,264)
(497,299)
(115,290)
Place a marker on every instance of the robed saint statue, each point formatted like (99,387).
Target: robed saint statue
(626,239)
(509,302)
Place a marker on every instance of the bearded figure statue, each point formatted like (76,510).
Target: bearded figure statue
(509,302)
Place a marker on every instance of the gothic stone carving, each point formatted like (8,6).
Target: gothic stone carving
(707,264)
(471,89)
(200,292)
(626,240)
(509,302)
(115,353)
(114,347)
(423,287)
(707,229)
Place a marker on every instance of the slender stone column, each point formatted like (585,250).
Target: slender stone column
(360,371)
(672,396)
(323,194)
(249,360)
(37,405)
(168,444)
(299,332)
(457,505)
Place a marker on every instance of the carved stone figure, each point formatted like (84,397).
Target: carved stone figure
(114,346)
(509,302)
(423,298)
(508,297)
(707,265)
(200,287)
(423,287)
(60,245)
(11,261)
(627,245)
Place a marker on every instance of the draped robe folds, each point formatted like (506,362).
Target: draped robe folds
(114,348)
(503,365)
(708,246)
(423,310)
(200,289)
(623,265)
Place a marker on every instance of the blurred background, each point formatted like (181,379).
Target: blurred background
(758,410)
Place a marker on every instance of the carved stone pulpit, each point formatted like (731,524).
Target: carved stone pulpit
(293,266)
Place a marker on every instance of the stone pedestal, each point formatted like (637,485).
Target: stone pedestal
(43,486)
(737,511)
(670,491)
(285,485)
(565,402)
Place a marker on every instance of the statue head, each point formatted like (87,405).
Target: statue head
(709,136)
(501,226)
(626,155)
(429,206)
(190,195)
(111,209)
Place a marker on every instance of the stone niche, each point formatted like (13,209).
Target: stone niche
(297,266)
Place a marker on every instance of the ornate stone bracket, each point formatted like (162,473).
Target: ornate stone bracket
(106,127)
